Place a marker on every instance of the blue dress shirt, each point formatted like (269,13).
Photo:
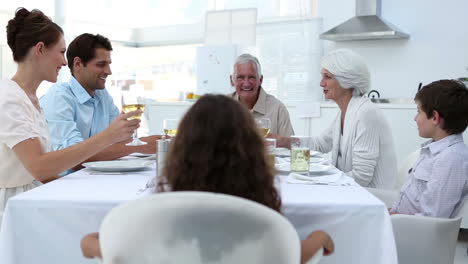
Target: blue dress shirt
(73,115)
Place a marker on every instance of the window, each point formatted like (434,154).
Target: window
(166,73)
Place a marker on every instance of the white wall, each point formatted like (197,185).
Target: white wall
(437,48)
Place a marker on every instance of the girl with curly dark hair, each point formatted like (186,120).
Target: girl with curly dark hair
(218,149)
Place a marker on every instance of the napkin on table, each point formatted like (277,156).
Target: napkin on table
(338,179)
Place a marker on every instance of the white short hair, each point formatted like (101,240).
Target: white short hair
(247,58)
(349,69)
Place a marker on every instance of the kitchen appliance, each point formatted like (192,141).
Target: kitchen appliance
(367,24)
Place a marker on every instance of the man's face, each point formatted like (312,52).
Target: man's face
(246,81)
(93,76)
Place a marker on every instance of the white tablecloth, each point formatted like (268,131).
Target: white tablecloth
(46,224)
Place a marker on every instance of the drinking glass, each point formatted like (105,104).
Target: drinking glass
(300,154)
(263,125)
(170,127)
(270,144)
(132,102)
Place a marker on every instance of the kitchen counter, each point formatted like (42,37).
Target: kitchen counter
(400,104)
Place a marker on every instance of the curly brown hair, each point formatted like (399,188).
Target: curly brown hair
(218,149)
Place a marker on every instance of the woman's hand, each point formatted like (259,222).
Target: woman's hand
(329,246)
(313,243)
(122,128)
(90,246)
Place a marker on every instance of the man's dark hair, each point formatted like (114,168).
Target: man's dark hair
(84,47)
(450,99)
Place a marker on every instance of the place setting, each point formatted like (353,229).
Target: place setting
(301,170)
(142,156)
(118,166)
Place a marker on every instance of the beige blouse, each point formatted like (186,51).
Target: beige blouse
(19,121)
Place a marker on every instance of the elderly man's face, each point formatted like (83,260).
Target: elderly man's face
(246,81)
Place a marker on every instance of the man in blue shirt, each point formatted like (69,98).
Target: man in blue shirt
(80,108)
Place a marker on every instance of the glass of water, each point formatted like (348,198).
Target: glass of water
(270,144)
(300,154)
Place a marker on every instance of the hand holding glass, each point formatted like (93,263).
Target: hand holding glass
(132,102)
(263,125)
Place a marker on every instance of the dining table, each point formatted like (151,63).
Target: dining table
(47,223)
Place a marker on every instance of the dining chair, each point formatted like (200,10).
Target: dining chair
(197,227)
(423,239)
(462,211)
(389,197)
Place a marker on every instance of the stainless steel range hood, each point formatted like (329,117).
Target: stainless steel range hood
(367,24)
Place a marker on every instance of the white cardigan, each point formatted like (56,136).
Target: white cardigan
(368,154)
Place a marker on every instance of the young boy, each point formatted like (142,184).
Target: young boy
(438,182)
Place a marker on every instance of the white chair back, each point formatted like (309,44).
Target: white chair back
(463,213)
(421,239)
(197,227)
(405,167)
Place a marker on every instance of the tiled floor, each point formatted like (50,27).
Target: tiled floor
(461,255)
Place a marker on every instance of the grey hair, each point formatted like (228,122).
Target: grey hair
(349,69)
(247,58)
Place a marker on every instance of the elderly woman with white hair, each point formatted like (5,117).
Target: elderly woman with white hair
(359,138)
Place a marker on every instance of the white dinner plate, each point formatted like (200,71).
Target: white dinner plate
(313,168)
(118,165)
(138,154)
(284,152)
(316,159)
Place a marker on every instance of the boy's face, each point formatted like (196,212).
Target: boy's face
(427,127)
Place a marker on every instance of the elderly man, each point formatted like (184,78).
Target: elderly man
(247,79)
(80,108)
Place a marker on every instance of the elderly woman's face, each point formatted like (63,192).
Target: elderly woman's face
(331,88)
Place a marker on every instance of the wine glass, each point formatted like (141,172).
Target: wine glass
(131,102)
(263,126)
(170,127)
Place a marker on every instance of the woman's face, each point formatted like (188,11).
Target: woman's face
(54,60)
(331,88)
